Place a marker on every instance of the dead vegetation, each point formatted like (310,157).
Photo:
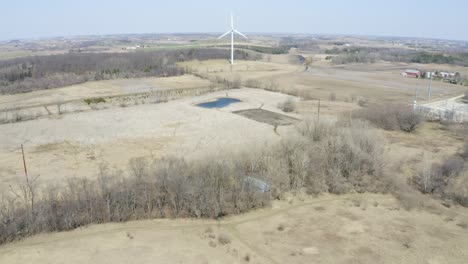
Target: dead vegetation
(446,179)
(391,116)
(45,72)
(335,158)
(288,106)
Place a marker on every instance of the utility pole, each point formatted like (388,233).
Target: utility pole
(415,99)
(318,112)
(24,163)
(429,96)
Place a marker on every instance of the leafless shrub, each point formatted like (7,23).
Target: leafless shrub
(426,181)
(451,167)
(445,180)
(362,101)
(408,197)
(271,85)
(224,239)
(281,227)
(391,117)
(253,83)
(335,157)
(332,97)
(236,83)
(289,105)
(408,119)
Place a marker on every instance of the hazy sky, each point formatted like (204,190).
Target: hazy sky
(412,18)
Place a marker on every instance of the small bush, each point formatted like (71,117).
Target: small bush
(224,239)
(281,227)
(362,101)
(391,117)
(332,97)
(97,100)
(252,83)
(451,167)
(236,83)
(288,106)
(408,120)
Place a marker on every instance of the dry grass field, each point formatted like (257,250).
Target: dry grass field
(100,89)
(74,145)
(352,228)
(328,229)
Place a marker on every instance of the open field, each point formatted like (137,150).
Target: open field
(100,89)
(243,69)
(350,228)
(375,82)
(74,145)
(329,229)
(384,85)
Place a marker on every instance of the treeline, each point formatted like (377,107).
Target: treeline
(44,72)
(370,55)
(336,158)
(282,49)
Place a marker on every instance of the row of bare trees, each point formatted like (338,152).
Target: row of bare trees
(336,158)
(44,72)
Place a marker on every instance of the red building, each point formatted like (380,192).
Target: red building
(412,73)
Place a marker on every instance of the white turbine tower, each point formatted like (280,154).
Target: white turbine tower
(232,31)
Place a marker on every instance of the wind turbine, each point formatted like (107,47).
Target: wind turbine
(232,31)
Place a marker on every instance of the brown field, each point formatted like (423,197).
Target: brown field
(74,145)
(328,229)
(100,89)
(353,228)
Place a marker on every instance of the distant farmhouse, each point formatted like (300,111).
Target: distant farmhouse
(452,77)
(412,73)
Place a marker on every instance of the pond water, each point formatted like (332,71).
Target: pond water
(219,103)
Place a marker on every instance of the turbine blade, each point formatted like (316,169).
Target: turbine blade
(232,21)
(240,34)
(222,36)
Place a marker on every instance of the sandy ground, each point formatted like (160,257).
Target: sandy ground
(74,145)
(329,229)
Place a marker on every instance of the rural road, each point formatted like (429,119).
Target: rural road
(450,104)
(460,110)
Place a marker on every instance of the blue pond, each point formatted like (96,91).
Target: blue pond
(219,103)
